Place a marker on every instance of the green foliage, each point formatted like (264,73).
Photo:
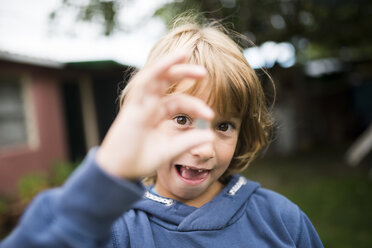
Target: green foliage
(4,205)
(5,215)
(60,172)
(169,11)
(103,12)
(32,184)
(330,26)
(28,187)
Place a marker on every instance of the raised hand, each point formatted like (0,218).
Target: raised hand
(134,145)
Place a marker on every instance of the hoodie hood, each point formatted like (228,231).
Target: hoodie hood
(222,211)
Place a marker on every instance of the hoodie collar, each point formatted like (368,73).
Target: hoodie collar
(222,211)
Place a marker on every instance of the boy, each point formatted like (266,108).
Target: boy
(195,199)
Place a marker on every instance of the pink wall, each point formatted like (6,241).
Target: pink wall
(17,162)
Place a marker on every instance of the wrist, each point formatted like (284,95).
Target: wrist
(110,164)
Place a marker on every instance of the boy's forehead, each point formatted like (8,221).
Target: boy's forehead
(186,84)
(202,89)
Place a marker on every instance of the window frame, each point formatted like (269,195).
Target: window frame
(28,106)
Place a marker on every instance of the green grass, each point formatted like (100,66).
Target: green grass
(337,198)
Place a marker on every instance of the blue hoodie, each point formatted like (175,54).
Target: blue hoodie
(93,209)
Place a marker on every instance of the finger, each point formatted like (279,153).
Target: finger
(188,140)
(181,103)
(152,78)
(166,62)
(181,71)
(177,73)
(158,70)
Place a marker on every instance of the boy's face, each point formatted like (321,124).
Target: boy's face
(193,177)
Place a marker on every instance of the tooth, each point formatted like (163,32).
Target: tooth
(187,168)
(200,170)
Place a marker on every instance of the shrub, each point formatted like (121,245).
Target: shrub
(27,188)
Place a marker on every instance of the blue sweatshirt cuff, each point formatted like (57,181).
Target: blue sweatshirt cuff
(92,200)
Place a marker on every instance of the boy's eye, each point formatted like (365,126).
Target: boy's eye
(224,127)
(182,120)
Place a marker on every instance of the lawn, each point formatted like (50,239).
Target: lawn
(337,198)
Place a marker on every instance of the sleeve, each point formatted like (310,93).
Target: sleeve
(307,237)
(79,214)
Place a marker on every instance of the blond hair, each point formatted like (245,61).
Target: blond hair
(235,88)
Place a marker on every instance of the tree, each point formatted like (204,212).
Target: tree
(103,12)
(317,28)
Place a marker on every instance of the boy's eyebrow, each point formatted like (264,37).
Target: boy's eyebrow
(231,115)
(235,118)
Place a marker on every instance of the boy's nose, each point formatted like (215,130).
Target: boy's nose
(204,152)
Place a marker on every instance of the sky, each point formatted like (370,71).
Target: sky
(25,29)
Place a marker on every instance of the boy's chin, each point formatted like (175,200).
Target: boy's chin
(189,192)
(188,196)
(181,193)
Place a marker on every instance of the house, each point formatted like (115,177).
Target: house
(52,111)
(321,104)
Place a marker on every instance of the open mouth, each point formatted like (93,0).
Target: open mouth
(190,174)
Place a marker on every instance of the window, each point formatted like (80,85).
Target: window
(13,126)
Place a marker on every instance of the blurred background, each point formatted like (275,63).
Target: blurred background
(63,62)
